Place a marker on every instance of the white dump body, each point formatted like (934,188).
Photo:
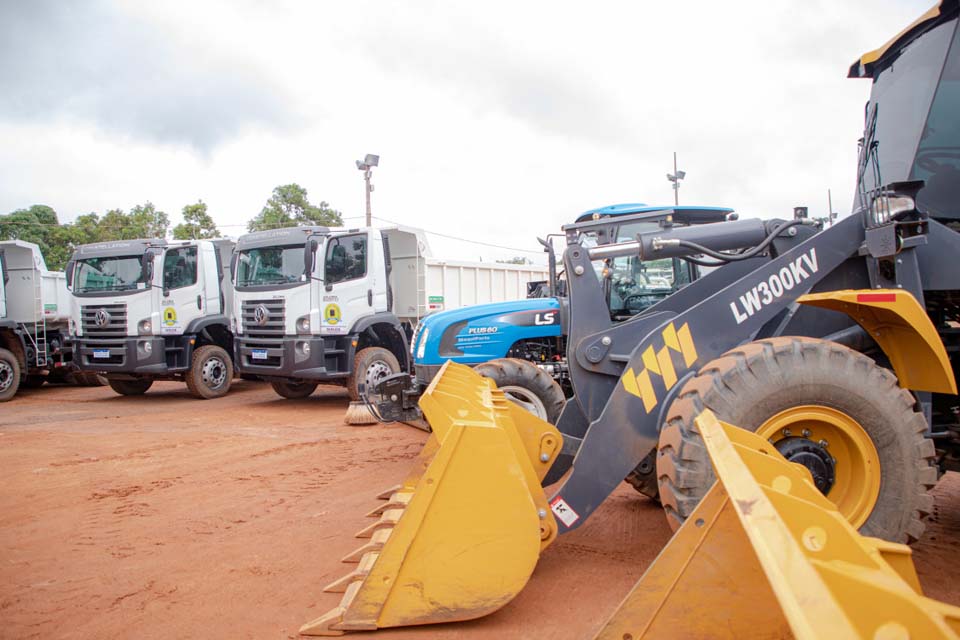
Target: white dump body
(423,284)
(31,292)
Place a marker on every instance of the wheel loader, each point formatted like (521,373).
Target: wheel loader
(834,349)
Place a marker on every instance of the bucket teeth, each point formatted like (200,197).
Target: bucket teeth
(340,585)
(385,495)
(389,519)
(376,544)
(398,500)
(329,623)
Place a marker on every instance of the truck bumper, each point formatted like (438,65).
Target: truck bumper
(144,355)
(295,357)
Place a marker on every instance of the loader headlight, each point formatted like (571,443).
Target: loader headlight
(145,327)
(887,207)
(303,324)
(422,345)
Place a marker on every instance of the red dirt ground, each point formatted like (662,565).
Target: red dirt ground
(168,517)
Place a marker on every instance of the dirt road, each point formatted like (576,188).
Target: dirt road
(167,517)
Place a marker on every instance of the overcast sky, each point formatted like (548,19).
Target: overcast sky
(497,121)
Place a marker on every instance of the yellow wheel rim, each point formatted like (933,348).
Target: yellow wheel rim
(856,483)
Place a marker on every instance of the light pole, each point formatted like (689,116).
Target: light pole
(366,165)
(675,178)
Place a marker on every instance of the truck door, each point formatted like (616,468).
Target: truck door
(348,291)
(3,286)
(211,279)
(183,297)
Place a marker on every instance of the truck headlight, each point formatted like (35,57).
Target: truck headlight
(303,324)
(422,346)
(145,327)
(304,347)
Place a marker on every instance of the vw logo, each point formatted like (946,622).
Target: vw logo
(102,318)
(261,315)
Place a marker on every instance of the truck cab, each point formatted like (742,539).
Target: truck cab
(315,304)
(146,310)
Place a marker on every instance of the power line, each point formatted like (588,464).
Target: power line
(486,244)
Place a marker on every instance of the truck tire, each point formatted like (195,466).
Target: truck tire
(32,382)
(294,390)
(130,387)
(210,373)
(370,366)
(86,379)
(821,404)
(9,375)
(526,385)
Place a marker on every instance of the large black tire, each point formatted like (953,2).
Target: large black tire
(9,375)
(370,366)
(86,379)
(294,390)
(527,385)
(210,373)
(750,385)
(130,387)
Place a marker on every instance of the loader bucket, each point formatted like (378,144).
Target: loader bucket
(766,555)
(459,538)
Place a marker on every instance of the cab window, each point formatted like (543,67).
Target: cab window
(180,267)
(346,258)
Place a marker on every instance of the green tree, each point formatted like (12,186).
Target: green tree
(39,225)
(289,207)
(516,260)
(197,223)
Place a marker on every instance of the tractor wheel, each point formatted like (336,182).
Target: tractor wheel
(369,367)
(211,372)
(130,387)
(526,385)
(9,375)
(294,390)
(822,405)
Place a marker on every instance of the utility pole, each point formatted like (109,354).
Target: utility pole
(675,178)
(366,165)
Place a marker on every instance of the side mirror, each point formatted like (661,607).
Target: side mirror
(233,267)
(69,271)
(309,256)
(146,267)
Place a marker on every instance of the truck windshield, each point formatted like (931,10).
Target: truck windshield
(270,265)
(114,273)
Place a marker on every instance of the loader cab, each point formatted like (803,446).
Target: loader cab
(912,110)
(632,285)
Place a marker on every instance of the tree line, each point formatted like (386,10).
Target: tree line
(287,206)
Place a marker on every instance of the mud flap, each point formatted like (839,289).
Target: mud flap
(460,537)
(766,554)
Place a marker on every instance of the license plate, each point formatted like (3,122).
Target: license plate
(259,354)
(101,353)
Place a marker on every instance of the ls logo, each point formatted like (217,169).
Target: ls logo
(660,363)
(541,319)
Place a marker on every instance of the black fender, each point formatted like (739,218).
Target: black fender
(400,348)
(199,324)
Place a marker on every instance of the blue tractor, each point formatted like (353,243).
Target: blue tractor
(521,344)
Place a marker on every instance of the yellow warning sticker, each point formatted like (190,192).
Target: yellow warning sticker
(331,314)
(169,316)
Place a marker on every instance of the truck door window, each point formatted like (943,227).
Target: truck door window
(180,268)
(346,258)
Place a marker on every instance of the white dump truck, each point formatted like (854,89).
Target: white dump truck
(146,310)
(332,305)
(34,316)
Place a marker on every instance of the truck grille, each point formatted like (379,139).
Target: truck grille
(262,335)
(93,317)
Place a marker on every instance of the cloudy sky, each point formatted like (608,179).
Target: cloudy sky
(496,121)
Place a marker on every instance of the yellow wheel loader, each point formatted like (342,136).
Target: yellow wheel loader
(835,349)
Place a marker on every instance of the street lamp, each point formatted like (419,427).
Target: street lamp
(675,178)
(366,165)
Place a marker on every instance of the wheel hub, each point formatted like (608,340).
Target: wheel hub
(214,372)
(377,370)
(814,457)
(6,376)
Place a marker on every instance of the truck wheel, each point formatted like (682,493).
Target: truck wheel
(369,367)
(9,375)
(130,387)
(294,390)
(526,385)
(211,372)
(825,406)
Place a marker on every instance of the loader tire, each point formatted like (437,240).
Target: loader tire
(9,375)
(293,390)
(370,365)
(526,385)
(130,387)
(794,391)
(211,372)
